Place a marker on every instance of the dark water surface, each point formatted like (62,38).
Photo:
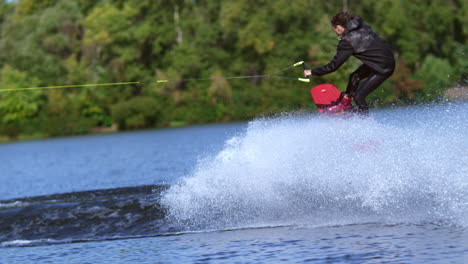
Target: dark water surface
(392,188)
(366,243)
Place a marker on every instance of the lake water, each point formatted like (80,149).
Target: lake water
(392,188)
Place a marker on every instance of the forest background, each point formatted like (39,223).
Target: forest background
(68,42)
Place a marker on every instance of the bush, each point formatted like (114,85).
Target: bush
(436,75)
(138,112)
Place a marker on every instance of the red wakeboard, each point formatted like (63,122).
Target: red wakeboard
(325,95)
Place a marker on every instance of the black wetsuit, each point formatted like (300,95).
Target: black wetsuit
(360,41)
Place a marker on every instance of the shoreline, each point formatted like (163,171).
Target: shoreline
(452,95)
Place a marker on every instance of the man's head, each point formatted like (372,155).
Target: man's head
(339,22)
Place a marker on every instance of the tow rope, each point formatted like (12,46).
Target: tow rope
(272,75)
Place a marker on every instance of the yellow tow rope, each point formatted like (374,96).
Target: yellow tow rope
(159,81)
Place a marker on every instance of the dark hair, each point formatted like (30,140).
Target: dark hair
(341,19)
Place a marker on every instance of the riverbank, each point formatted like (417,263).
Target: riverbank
(455,94)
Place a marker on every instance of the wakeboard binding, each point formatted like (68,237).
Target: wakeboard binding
(330,101)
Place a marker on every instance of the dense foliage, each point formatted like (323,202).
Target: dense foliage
(65,42)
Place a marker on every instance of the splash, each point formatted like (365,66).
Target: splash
(400,165)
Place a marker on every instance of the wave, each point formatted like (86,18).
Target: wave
(400,165)
(83,216)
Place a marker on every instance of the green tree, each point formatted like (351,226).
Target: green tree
(17,108)
(38,43)
(436,75)
(28,7)
(139,112)
(66,42)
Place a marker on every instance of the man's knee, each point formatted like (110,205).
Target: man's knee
(355,77)
(353,84)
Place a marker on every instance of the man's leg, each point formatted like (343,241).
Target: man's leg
(360,73)
(374,81)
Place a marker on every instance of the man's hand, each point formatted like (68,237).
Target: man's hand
(307,73)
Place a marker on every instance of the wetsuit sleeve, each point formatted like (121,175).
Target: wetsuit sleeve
(343,52)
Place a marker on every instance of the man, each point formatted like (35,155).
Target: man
(358,39)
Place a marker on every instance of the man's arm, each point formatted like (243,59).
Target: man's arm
(343,52)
